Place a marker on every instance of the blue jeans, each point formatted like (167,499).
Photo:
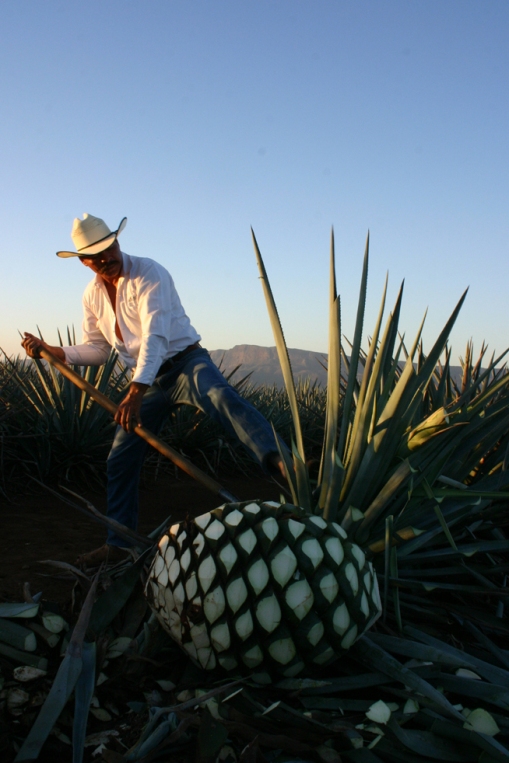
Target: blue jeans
(193,380)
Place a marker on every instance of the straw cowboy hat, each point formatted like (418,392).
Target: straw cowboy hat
(92,236)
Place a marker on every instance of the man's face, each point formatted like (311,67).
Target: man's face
(107,264)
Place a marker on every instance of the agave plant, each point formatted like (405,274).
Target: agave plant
(409,465)
(59,433)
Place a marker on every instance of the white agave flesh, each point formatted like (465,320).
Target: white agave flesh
(294,670)
(375,592)
(234,518)
(228,556)
(352,577)
(272,504)
(299,598)
(268,613)
(329,587)
(296,528)
(270,528)
(191,585)
(465,673)
(247,540)
(367,581)
(313,551)
(207,658)
(203,520)
(200,635)
(340,530)
(169,602)
(315,634)
(199,545)
(341,620)
(162,577)
(359,555)
(252,508)
(154,588)
(282,650)
(179,596)
(379,712)
(169,555)
(220,637)
(191,650)
(244,625)
(350,637)
(176,626)
(174,530)
(215,530)
(335,549)
(174,571)
(261,678)
(283,565)
(162,545)
(227,661)
(159,565)
(364,604)
(481,721)
(214,604)
(206,573)
(325,656)
(236,594)
(319,522)
(181,538)
(160,597)
(253,657)
(258,576)
(185,559)
(164,617)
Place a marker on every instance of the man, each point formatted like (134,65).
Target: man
(132,305)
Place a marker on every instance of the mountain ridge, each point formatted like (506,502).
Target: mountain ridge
(262,363)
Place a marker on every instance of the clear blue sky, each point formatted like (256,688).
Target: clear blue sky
(199,119)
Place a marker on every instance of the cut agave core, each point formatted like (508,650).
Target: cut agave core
(259,585)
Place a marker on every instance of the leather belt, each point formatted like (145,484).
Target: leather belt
(168,364)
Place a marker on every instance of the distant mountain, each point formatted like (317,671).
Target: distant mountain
(263,364)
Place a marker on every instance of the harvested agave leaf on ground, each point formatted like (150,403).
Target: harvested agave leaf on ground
(17,636)
(27,673)
(21,610)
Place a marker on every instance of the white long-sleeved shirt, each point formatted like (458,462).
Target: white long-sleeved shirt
(150,315)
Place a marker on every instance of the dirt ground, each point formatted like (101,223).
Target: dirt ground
(36,527)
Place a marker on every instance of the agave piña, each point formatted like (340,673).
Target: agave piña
(263,587)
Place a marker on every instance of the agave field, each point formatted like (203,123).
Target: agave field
(361,617)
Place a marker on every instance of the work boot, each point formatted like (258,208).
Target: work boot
(108,554)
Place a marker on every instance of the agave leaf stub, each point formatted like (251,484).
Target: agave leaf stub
(262,586)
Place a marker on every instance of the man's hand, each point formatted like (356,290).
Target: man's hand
(128,414)
(33,346)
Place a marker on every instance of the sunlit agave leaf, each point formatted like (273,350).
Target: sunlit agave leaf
(281,350)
